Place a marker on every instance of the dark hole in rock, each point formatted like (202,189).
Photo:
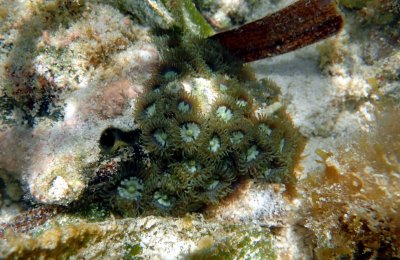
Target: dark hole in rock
(111,135)
(107,139)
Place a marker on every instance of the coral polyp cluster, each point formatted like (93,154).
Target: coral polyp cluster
(200,127)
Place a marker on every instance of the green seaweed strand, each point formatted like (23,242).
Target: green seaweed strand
(187,14)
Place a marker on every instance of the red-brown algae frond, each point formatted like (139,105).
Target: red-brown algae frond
(298,25)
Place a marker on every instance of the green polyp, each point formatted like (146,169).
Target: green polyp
(162,199)
(223,87)
(161,137)
(264,129)
(150,110)
(225,164)
(213,185)
(237,137)
(174,86)
(224,113)
(131,189)
(184,106)
(241,103)
(267,173)
(156,88)
(281,145)
(170,75)
(214,144)
(190,132)
(252,153)
(192,166)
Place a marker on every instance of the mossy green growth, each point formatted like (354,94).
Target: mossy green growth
(93,212)
(354,4)
(241,244)
(186,14)
(194,20)
(379,12)
(133,252)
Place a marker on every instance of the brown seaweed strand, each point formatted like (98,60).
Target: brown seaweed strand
(300,24)
(30,219)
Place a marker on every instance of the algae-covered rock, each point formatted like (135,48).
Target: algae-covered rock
(353,204)
(242,243)
(66,78)
(167,238)
(375,11)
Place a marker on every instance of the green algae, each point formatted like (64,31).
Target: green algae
(194,21)
(354,4)
(133,252)
(187,15)
(241,244)
(70,236)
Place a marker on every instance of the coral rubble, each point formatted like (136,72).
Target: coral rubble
(84,67)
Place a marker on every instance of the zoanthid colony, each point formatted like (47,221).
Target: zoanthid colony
(204,128)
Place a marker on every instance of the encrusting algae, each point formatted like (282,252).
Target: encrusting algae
(71,237)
